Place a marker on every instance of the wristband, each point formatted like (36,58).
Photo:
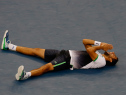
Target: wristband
(97,43)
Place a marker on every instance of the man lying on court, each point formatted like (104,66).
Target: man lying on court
(64,59)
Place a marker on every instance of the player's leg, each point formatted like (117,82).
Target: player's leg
(21,74)
(61,62)
(43,69)
(31,51)
(6,45)
(47,54)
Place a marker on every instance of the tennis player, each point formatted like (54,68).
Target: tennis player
(64,59)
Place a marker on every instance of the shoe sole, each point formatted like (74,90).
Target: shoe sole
(2,46)
(20,71)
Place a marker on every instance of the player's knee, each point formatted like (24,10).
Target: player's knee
(46,68)
(50,66)
(35,51)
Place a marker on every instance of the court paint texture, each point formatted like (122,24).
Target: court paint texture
(62,24)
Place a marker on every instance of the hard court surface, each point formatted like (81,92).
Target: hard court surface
(62,24)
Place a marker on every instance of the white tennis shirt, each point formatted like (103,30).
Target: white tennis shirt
(97,63)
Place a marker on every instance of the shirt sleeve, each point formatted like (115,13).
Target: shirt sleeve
(97,63)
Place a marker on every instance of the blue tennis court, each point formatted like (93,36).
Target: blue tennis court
(62,24)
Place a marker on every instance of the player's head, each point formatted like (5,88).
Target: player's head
(113,58)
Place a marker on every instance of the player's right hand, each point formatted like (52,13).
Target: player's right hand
(106,46)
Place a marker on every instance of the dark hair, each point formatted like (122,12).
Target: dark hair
(114,61)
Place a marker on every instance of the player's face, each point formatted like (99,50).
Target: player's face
(112,55)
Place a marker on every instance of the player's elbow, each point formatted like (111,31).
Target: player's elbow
(85,41)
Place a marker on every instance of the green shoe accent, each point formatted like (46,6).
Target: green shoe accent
(21,75)
(4,45)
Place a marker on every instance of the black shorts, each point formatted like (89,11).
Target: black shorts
(60,59)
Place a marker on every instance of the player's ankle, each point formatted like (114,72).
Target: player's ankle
(12,47)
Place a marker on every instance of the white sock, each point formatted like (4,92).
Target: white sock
(12,47)
(27,75)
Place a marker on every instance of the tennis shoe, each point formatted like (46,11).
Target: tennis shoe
(5,41)
(21,73)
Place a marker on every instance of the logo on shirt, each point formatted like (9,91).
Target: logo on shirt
(55,62)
